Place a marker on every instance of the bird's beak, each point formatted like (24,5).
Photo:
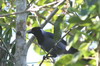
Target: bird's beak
(29,31)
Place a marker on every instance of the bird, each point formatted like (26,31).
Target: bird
(46,42)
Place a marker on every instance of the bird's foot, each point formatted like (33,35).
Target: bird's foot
(49,57)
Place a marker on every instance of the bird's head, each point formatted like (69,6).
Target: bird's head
(35,29)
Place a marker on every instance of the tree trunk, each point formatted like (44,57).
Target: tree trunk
(21,53)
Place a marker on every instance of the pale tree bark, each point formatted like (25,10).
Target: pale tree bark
(21,53)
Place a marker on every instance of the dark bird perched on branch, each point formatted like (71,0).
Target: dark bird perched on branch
(46,41)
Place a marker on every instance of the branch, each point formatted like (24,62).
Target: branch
(27,10)
(3,48)
(49,4)
(32,9)
(41,16)
(59,3)
(30,4)
(17,12)
(49,17)
(13,13)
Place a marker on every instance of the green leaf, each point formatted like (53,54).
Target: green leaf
(93,62)
(79,1)
(90,2)
(38,50)
(1,2)
(92,8)
(84,12)
(64,60)
(57,31)
(76,37)
(83,47)
(98,35)
(70,9)
(35,24)
(78,63)
(75,19)
(7,35)
(41,2)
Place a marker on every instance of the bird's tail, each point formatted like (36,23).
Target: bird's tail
(71,51)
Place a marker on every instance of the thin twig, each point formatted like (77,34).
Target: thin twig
(3,48)
(50,16)
(59,3)
(41,16)
(26,9)
(13,13)
(37,8)
(49,4)
(29,4)
(17,12)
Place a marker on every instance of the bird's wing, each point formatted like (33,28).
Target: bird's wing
(64,42)
(50,35)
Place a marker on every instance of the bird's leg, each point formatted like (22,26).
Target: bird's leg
(44,57)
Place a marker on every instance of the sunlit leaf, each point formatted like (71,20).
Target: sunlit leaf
(76,38)
(41,2)
(78,63)
(75,19)
(64,60)
(38,50)
(92,8)
(93,62)
(3,5)
(84,50)
(79,1)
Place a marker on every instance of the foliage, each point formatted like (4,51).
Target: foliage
(85,37)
